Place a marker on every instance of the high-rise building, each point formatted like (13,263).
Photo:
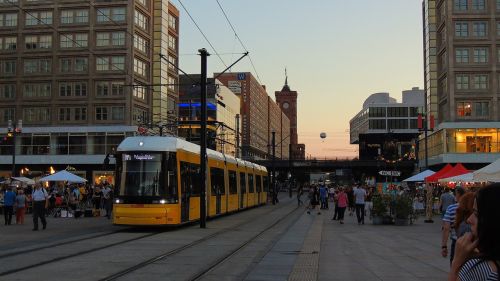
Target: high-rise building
(461,59)
(287,100)
(79,75)
(260,116)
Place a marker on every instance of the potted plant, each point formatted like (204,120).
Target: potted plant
(379,209)
(403,208)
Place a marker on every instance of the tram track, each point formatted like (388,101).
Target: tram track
(172,252)
(75,254)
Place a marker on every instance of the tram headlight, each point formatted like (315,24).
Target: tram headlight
(118,201)
(163,201)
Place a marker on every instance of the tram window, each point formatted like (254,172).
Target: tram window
(172,177)
(233,183)
(190,173)
(217,181)
(243,183)
(259,183)
(250,184)
(266,187)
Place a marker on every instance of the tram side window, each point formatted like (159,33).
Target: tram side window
(259,183)
(250,184)
(190,173)
(233,183)
(217,181)
(266,187)
(172,177)
(243,183)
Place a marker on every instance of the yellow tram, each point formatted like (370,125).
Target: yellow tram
(157,182)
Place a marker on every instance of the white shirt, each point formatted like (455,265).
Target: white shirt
(360,194)
(40,194)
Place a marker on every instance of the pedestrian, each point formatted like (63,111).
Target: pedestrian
(107,194)
(359,197)
(446,200)
(342,204)
(300,191)
(323,197)
(9,199)
(313,199)
(478,253)
(464,210)
(20,206)
(447,229)
(336,205)
(40,202)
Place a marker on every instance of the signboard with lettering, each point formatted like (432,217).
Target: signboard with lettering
(390,173)
(139,157)
(234,86)
(242,76)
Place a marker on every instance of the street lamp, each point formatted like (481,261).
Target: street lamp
(273,183)
(13,130)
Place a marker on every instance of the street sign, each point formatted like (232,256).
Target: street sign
(390,173)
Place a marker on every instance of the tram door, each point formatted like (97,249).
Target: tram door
(259,188)
(186,186)
(217,182)
(243,189)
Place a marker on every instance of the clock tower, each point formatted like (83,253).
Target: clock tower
(287,100)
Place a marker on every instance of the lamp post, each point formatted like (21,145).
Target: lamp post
(14,129)
(273,181)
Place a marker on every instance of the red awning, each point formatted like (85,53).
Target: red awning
(438,174)
(458,170)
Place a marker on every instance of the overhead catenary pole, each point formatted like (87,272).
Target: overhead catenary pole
(203,138)
(273,181)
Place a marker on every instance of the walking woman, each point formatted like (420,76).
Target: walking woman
(342,204)
(477,254)
(20,206)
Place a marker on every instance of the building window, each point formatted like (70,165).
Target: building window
(8,67)
(37,66)
(7,91)
(461,29)
(464,109)
(8,20)
(33,42)
(108,15)
(140,67)
(7,114)
(64,114)
(460,5)
(141,20)
(140,43)
(108,39)
(376,112)
(113,63)
(36,115)
(8,43)
(110,88)
(479,29)
(481,82)
(462,55)
(117,113)
(481,109)
(73,64)
(480,55)
(172,42)
(77,89)
(143,3)
(462,82)
(74,40)
(139,92)
(498,4)
(74,16)
(478,5)
(101,113)
(37,90)
(38,18)
(140,115)
(80,114)
(397,112)
(376,124)
(72,114)
(397,123)
(172,21)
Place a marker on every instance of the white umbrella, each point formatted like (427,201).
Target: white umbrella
(420,176)
(489,173)
(25,180)
(64,176)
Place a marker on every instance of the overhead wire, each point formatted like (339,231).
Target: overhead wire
(202,33)
(239,39)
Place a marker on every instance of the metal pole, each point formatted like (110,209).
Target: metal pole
(203,137)
(237,136)
(14,133)
(273,183)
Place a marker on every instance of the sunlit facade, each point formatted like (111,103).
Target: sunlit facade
(461,59)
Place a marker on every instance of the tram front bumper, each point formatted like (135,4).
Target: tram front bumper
(142,214)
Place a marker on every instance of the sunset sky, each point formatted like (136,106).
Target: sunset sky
(336,52)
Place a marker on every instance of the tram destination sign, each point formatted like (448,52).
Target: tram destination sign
(390,173)
(138,157)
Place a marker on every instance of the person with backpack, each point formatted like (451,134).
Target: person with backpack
(40,199)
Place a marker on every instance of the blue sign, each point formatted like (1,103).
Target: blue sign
(242,76)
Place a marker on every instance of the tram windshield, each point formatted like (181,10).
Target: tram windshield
(145,174)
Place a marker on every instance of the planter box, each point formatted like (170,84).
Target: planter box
(401,222)
(376,220)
